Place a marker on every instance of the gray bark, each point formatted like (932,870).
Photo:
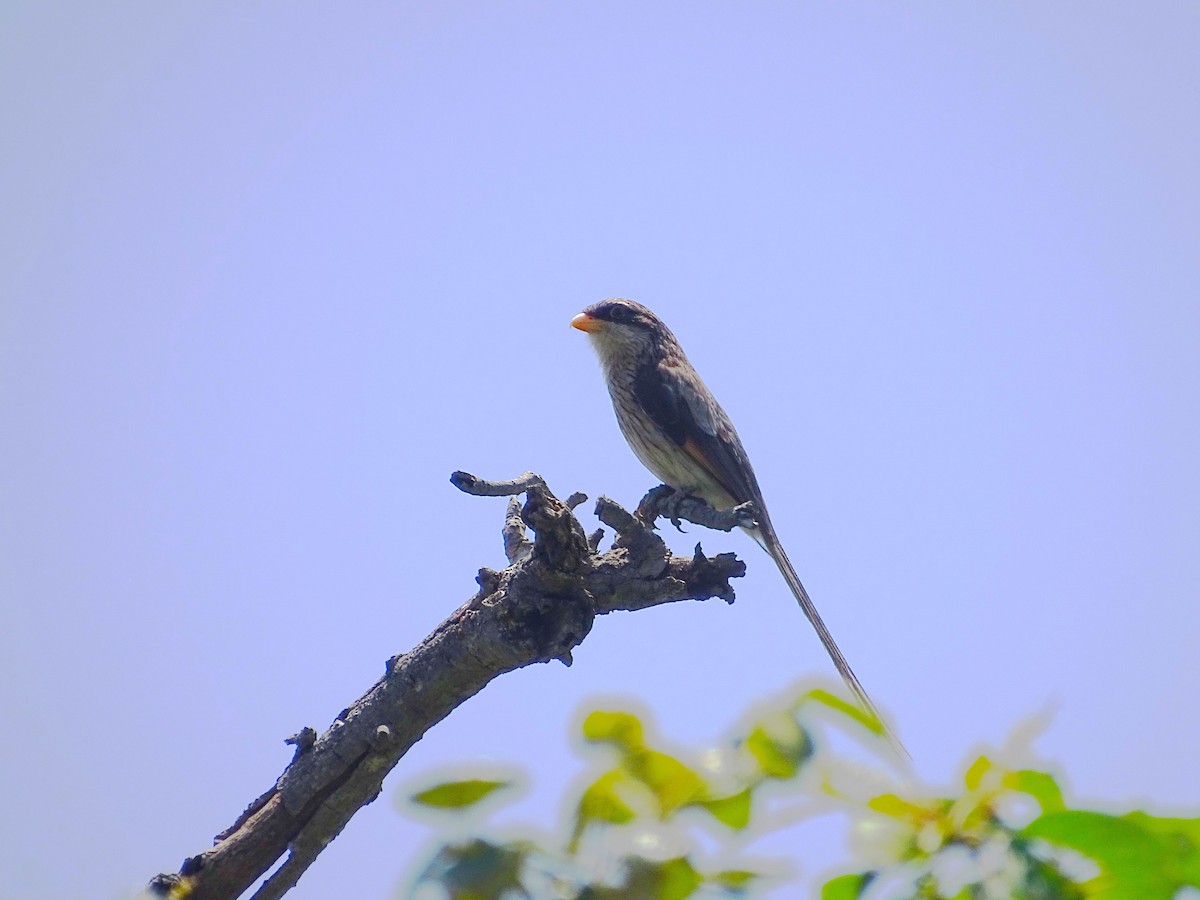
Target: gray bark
(536,610)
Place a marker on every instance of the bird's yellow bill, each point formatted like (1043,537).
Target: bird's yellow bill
(584,322)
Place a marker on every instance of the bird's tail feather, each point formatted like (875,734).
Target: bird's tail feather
(766,538)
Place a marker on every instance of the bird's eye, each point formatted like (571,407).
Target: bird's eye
(622,315)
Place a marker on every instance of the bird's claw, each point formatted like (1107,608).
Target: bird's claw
(671,509)
(664,502)
(651,506)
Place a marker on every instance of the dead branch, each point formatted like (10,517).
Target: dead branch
(537,609)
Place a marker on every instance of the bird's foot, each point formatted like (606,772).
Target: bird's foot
(672,504)
(663,501)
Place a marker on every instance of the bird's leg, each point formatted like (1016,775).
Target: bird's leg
(671,503)
(663,501)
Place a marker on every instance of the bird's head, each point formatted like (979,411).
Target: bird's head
(623,331)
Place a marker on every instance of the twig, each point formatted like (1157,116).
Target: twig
(470,484)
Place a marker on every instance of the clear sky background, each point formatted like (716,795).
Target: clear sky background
(270,272)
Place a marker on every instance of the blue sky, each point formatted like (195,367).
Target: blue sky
(270,273)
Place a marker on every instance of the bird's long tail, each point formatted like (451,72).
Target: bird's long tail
(766,538)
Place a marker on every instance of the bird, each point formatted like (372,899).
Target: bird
(678,431)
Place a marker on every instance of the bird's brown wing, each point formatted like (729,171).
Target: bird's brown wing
(684,409)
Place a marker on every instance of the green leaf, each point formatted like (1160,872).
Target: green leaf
(622,729)
(478,869)
(672,783)
(1134,863)
(734,879)
(1042,878)
(899,808)
(679,879)
(672,879)
(1181,836)
(779,745)
(975,772)
(1189,829)
(846,708)
(601,803)
(845,887)
(733,810)
(1038,785)
(458,794)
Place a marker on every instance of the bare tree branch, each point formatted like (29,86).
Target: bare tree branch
(536,610)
